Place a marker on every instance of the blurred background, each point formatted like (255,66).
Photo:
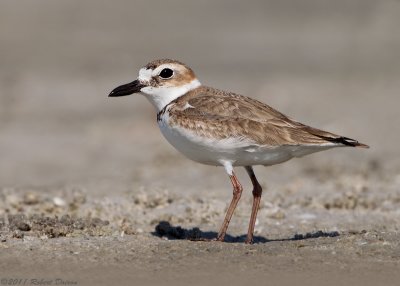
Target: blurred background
(332,64)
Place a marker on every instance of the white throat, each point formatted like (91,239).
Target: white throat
(161,96)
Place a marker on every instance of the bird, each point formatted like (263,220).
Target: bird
(222,128)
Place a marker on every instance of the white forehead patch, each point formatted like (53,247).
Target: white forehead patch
(145,74)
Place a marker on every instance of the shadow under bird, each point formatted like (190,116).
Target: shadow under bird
(221,128)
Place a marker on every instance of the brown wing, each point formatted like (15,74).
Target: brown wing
(215,113)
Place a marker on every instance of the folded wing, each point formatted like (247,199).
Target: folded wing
(219,114)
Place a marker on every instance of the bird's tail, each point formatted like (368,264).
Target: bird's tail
(345,141)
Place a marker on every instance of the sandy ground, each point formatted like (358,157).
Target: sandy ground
(91,194)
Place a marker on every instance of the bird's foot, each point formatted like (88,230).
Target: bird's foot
(249,240)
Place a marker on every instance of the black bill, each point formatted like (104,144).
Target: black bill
(127,89)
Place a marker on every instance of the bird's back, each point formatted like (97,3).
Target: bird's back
(211,112)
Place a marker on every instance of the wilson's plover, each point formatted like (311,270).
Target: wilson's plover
(221,128)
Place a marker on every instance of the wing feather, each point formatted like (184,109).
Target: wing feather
(215,113)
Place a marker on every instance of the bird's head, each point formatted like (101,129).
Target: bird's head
(161,81)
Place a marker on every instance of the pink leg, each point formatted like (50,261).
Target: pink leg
(237,193)
(257,191)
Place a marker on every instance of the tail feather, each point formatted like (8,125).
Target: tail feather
(334,138)
(345,141)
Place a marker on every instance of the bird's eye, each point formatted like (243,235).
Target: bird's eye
(166,73)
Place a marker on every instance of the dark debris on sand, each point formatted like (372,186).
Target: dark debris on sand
(51,227)
(316,234)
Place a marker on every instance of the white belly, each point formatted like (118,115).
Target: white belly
(238,151)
